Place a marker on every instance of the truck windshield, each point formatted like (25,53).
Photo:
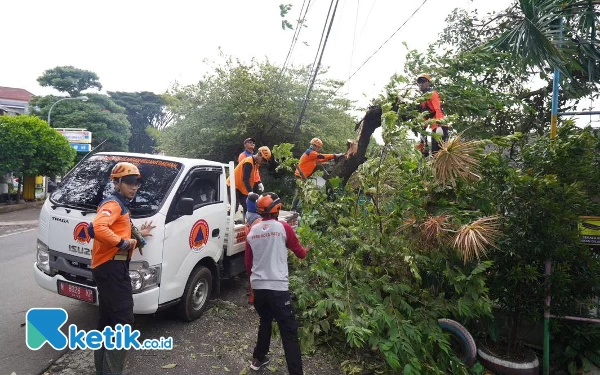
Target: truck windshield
(88,184)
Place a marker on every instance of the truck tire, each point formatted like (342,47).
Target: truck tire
(196,294)
(463,343)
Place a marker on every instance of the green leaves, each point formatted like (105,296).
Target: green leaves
(29,147)
(238,100)
(70,80)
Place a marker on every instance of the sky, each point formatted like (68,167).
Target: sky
(149,45)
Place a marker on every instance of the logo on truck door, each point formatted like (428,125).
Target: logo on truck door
(198,235)
(80,233)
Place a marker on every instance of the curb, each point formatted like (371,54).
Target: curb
(5,208)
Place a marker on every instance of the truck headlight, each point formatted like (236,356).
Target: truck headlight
(43,257)
(143,276)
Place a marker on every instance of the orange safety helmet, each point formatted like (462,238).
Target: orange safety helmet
(424,75)
(268,203)
(317,142)
(265,152)
(123,169)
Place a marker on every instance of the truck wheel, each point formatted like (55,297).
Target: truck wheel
(196,294)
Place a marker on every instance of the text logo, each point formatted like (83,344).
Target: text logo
(80,233)
(43,326)
(199,235)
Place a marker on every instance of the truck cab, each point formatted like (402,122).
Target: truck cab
(195,244)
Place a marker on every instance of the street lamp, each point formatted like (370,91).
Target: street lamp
(82,98)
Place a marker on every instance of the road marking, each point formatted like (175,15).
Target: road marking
(23,231)
(25,222)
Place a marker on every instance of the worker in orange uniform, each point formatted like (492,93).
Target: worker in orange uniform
(249,144)
(244,175)
(308,163)
(111,253)
(433,107)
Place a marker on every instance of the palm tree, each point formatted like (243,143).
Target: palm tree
(557,34)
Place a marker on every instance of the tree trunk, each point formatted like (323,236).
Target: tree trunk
(357,149)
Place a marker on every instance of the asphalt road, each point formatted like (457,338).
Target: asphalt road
(19,292)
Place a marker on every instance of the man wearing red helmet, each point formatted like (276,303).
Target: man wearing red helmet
(266,264)
(433,108)
(111,252)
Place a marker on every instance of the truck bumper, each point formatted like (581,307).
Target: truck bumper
(143,303)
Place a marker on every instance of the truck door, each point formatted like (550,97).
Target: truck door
(189,238)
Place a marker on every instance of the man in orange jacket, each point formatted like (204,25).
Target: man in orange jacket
(111,252)
(308,163)
(433,107)
(244,175)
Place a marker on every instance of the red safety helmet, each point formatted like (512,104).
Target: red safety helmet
(123,169)
(268,203)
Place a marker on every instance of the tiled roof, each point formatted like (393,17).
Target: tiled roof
(15,94)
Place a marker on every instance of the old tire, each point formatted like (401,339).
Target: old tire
(528,366)
(464,347)
(196,294)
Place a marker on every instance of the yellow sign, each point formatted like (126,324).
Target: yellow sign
(589,227)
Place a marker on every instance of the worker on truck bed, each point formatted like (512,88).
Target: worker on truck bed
(249,144)
(434,108)
(308,163)
(267,245)
(244,175)
(113,246)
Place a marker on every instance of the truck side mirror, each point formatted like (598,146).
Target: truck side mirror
(185,206)
(52,187)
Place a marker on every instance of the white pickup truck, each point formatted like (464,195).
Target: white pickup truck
(195,244)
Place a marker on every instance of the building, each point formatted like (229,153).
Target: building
(14,101)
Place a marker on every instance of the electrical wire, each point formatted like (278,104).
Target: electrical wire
(294,38)
(381,46)
(316,70)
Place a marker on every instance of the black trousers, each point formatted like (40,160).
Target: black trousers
(274,304)
(241,200)
(115,301)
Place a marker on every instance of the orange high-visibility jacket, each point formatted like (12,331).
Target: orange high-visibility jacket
(434,107)
(308,162)
(243,174)
(111,226)
(243,156)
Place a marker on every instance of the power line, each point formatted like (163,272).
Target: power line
(312,67)
(316,70)
(384,43)
(354,37)
(295,37)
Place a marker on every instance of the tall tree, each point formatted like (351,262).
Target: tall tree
(144,109)
(29,147)
(69,79)
(240,100)
(100,115)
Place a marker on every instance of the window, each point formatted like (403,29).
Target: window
(203,188)
(88,184)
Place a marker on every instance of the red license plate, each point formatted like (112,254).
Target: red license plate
(79,292)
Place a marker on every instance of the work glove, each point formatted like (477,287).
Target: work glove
(261,187)
(128,244)
(338,156)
